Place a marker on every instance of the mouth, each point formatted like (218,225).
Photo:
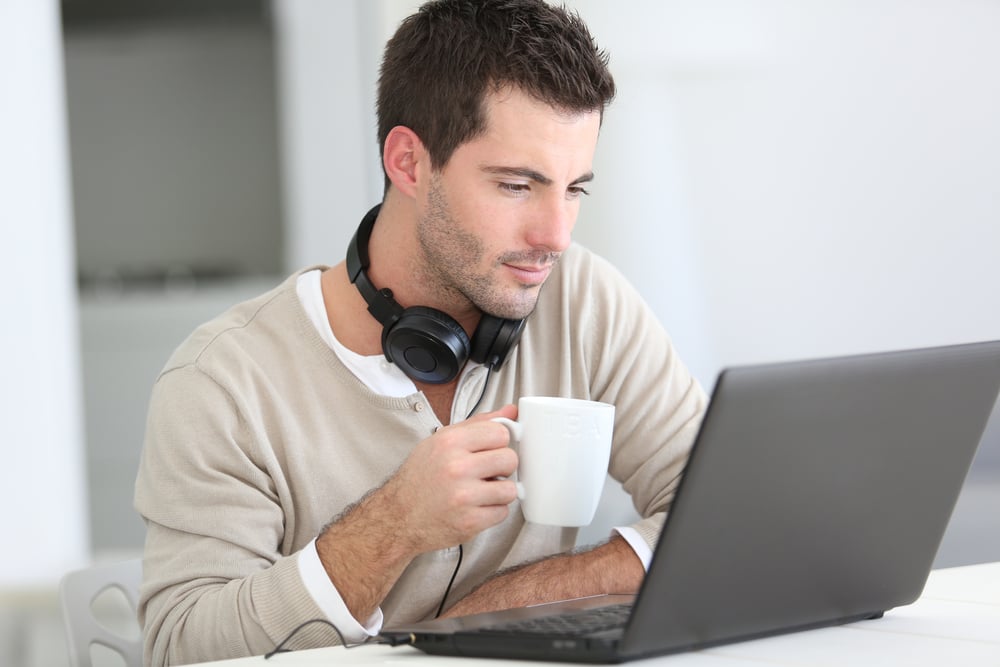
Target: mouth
(530,275)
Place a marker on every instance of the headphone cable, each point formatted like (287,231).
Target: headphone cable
(486,383)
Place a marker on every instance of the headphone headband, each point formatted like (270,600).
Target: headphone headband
(381,304)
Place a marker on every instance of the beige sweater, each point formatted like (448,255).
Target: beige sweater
(258,436)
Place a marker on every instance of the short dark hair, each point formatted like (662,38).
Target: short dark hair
(443,61)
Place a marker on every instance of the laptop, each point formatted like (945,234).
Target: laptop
(817,494)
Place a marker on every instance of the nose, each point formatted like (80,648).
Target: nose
(553,223)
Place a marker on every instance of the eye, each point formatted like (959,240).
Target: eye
(513,188)
(576,191)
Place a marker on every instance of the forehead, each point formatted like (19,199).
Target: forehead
(524,131)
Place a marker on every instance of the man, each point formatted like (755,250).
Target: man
(291,472)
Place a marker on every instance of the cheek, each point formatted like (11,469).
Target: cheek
(494,222)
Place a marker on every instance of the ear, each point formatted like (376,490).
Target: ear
(404,159)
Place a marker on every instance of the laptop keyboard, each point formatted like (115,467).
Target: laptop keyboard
(572,624)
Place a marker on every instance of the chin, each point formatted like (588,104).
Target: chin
(518,310)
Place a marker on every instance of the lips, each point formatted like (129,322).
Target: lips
(530,274)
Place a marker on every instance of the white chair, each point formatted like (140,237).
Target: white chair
(78,590)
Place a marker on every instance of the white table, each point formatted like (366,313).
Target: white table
(956,622)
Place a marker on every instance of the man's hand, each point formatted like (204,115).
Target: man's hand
(454,484)
(452,487)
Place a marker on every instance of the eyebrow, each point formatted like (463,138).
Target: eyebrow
(531,174)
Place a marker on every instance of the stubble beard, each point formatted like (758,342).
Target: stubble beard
(452,256)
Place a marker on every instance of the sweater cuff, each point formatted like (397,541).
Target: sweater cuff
(328,599)
(638,544)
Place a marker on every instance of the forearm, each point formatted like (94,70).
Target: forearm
(612,567)
(363,554)
(451,487)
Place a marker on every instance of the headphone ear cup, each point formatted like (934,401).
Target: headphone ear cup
(428,345)
(493,340)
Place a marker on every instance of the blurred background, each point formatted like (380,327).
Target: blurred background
(779,178)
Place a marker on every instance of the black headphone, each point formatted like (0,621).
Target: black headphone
(426,344)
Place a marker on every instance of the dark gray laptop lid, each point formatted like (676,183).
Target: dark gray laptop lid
(817,492)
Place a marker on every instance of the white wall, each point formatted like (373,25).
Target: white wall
(41,478)
(787,179)
(327,72)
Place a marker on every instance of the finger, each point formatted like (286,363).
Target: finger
(493,463)
(478,436)
(488,493)
(473,466)
(500,492)
(485,517)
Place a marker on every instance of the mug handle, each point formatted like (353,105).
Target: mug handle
(516,432)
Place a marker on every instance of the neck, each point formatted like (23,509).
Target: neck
(348,314)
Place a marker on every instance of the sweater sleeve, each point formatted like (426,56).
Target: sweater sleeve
(218,576)
(659,404)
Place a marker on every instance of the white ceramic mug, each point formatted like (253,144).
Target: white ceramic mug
(563,446)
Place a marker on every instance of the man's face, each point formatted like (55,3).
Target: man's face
(496,218)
